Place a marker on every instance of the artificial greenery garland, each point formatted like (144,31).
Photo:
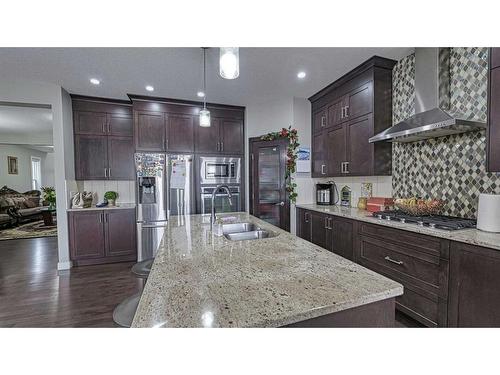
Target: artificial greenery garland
(291,153)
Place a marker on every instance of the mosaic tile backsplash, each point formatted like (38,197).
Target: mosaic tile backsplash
(450,168)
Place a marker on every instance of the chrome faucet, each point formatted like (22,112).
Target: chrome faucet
(226,188)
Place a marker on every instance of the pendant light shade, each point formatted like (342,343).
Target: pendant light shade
(229,62)
(205,118)
(204,113)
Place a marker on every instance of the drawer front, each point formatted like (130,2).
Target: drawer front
(428,244)
(402,260)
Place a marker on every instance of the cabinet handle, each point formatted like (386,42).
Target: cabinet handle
(346,111)
(166,144)
(105,172)
(100,218)
(105,217)
(323,121)
(342,167)
(330,224)
(346,167)
(306,217)
(326,223)
(218,146)
(109,172)
(398,262)
(222,146)
(323,169)
(109,125)
(341,112)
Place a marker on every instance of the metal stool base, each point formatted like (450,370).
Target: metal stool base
(143,268)
(123,314)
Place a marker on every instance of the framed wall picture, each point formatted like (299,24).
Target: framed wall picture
(12,165)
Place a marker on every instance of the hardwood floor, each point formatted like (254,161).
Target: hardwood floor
(34,294)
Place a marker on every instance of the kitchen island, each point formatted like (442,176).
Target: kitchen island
(202,280)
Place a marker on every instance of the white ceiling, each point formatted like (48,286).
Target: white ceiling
(25,125)
(177,72)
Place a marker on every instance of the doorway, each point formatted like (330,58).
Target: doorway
(269,199)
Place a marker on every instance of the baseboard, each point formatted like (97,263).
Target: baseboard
(64,265)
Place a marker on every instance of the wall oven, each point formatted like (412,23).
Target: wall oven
(221,201)
(220,170)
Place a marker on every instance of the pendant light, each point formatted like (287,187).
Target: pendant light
(204,113)
(229,62)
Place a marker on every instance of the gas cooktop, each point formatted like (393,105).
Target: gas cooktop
(438,222)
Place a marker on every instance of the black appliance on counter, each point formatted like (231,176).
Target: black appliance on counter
(325,194)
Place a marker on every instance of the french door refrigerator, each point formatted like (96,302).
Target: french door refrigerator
(164,190)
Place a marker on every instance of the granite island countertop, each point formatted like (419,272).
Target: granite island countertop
(201,280)
(470,236)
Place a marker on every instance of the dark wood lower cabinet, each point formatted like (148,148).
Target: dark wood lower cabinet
(474,286)
(102,236)
(446,283)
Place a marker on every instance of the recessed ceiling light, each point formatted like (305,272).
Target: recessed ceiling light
(200,94)
(301,75)
(150,88)
(94,81)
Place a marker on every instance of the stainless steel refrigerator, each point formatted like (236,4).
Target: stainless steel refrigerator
(164,189)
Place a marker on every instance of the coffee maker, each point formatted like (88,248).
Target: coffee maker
(325,194)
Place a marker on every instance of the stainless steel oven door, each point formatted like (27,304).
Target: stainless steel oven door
(220,170)
(221,201)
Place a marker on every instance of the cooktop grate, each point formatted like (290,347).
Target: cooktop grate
(438,221)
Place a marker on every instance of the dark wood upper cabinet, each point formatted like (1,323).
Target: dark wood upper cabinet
(150,131)
(319,156)
(91,157)
(336,149)
(364,94)
(494,57)
(120,242)
(359,101)
(94,123)
(102,236)
(231,137)
(120,125)
(120,158)
(493,132)
(180,133)
(320,118)
(208,139)
(86,235)
(359,152)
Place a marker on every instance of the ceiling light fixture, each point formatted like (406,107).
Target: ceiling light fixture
(150,88)
(204,113)
(229,62)
(94,81)
(301,75)
(200,94)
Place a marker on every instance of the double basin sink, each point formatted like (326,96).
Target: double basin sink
(245,231)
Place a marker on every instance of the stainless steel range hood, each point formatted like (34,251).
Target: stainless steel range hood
(433,116)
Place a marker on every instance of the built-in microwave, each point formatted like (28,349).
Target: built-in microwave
(220,170)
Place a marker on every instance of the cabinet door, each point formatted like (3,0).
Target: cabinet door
(319,167)
(495,57)
(319,229)
(207,139)
(359,102)
(493,131)
(120,232)
(90,122)
(304,224)
(231,136)
(149,131)
(91,157)
(180,133)
(120,125)
(359,150)
(474,299)
(121,158)
(320,120)
(86,235)
(335,113)
(342,237)
(336,150)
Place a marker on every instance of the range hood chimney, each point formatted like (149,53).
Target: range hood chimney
(433,117)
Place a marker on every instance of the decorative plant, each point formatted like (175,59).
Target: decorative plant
(49,195)
(291,153)
(110,195)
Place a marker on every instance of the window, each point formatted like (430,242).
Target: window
(36,173)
